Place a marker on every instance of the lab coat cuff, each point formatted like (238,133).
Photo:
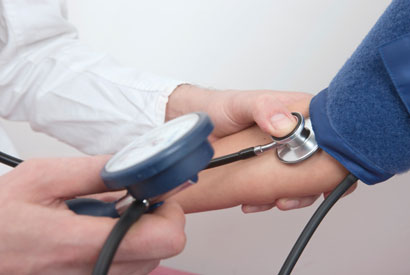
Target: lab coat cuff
(333,143)
(162,100)
(160,88)
(396,59)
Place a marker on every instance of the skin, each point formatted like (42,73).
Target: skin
(40,235)
(261,180)
(51,239)
(233,111)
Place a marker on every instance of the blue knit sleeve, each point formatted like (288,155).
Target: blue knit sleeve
(362,119)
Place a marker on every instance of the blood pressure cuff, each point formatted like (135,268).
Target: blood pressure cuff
(363,118)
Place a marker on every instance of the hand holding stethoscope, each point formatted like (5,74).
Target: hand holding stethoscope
(157,163)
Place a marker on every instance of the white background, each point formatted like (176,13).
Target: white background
(294,45)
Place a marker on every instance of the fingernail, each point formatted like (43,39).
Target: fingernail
(291,204)
(250,209)
(281,121)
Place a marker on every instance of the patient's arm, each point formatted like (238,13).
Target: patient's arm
(259,180)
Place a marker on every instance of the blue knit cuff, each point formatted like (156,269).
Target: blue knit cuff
(332,143)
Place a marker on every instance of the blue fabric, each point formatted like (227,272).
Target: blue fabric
(361,119)
(329,140)
(396,59)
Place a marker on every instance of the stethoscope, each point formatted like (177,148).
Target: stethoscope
(163,161)
(167,159)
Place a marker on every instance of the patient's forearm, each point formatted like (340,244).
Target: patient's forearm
(258,180)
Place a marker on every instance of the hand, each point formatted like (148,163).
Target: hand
(263,181)
(40,235)
(285,126)
(232,111)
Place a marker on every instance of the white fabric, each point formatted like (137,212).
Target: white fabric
(61,87)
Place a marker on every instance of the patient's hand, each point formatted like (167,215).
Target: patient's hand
(263,181)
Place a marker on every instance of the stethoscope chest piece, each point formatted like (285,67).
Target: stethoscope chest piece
(299,145)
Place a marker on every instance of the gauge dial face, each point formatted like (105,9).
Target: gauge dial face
(152,143)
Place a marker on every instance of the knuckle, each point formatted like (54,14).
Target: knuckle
(176,243)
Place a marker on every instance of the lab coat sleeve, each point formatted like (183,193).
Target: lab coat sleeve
(63,88)
(363,118)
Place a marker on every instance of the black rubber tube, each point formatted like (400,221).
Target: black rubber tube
(9,160)
(243,154)
(314,222)
(130,216)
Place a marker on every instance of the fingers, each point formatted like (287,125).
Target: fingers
(282,204)
(247,209)
(133,268)
(59,178)
(68,240)
(348,192)
(274,116)
(124,268)
(109,196)
(155,236)
(295,203)
(164,239)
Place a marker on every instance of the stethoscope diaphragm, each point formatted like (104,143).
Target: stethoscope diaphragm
(298,145)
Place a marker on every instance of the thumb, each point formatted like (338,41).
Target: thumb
(282,123)
(273,117)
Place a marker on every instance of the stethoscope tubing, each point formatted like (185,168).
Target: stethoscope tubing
(135,209)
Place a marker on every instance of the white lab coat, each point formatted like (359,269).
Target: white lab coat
(62,88)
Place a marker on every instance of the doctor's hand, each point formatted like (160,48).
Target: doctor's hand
(294,202)
(232,111)
(40,235)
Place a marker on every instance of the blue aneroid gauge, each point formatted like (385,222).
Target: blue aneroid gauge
(163,158)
